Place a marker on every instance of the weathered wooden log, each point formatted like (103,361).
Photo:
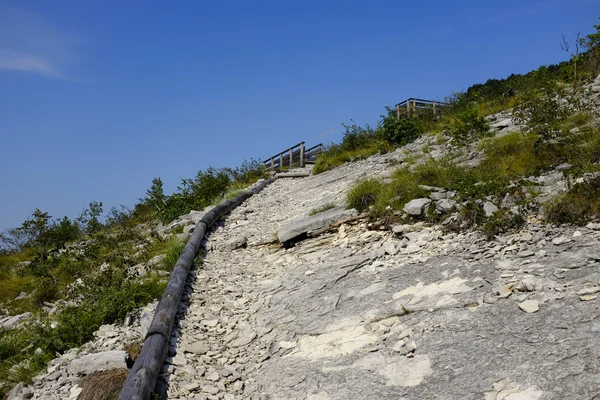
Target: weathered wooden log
(142,378)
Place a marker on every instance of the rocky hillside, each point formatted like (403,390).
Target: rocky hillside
(338,305)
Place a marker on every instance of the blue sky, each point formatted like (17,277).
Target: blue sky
(99,97)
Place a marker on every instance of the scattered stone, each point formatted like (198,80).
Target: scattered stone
(146,317)
(590,290)
(195,348)
(416,207)
(12,322)
(489,208)
(445,205)
(390,248)
(234,243)
(438,195)
(588,297)
(560,240)
(529,306)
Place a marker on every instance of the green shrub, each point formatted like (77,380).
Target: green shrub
(542,111)
(468,126)
(248,172)
(364,194)
(401,131)
(356,137)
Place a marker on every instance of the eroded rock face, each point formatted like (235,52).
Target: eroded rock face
(368,313)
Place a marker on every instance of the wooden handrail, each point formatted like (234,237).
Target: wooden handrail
(422,101)
(286,150)
(296,153)
(415,103)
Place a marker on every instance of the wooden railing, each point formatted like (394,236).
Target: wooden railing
(295,155)
(412,104)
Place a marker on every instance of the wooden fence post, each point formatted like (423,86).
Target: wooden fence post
(291,156)
(280,160)
(302,155)
(272,163)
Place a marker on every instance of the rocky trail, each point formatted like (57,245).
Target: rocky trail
(355,312)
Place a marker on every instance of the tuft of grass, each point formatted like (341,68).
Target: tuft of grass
(364,194)
(133,350)
(172,255)
(322,208)
(103,385)
(578,206)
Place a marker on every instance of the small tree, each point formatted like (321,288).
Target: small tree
(155,196)
(89,218)
(542,111)
(591,44)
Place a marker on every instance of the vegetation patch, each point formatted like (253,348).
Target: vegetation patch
(364,194)
(579,205)
(172,255)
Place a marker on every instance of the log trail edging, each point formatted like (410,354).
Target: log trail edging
(142,378)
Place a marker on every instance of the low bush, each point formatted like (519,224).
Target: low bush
(401,131)
(579,205)
(543,111)
(468,126)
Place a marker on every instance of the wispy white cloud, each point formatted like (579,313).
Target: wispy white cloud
(28,43)
(323,134)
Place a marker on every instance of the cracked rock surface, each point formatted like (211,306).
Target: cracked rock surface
(413,313)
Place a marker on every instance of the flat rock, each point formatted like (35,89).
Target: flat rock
(98,361)
(445,205)
(146,318)
(314,223)
(234,243)
(416,207)
(195,348)
(489,208)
